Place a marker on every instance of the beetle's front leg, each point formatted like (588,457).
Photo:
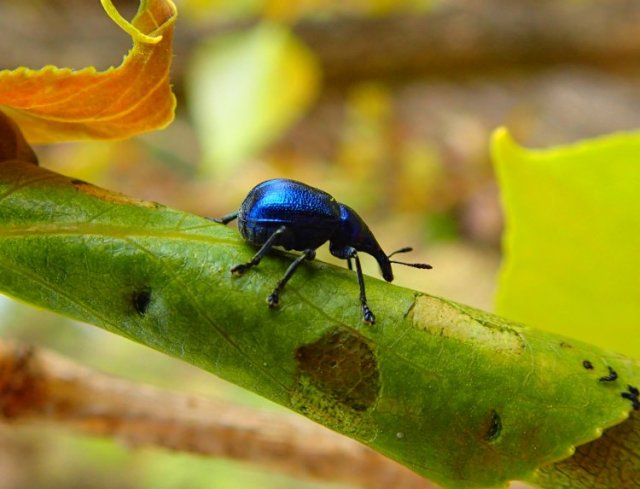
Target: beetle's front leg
(367,315)
(274,297)
(268,244)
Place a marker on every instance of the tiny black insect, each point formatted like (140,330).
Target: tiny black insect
(632,395)
(613,376)
(295,216)
(587,364)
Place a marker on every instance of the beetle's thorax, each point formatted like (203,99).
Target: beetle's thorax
(353,232)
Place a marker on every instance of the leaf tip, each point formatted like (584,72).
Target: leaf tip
(502,142)
(129,27)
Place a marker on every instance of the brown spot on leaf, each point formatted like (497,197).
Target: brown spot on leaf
(342,365)
(109,196)
(448,319)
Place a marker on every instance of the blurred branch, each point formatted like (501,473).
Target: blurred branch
(457,37)
(463,37)
(37,386)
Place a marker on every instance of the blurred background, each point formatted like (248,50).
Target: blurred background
(388,105)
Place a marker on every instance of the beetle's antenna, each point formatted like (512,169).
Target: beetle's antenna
(424,266)
(406,249)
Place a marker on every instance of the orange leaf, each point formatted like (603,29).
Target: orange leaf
(59,104)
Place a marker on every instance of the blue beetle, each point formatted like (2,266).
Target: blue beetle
(295,216)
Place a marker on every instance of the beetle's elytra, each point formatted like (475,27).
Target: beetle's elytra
(295,216)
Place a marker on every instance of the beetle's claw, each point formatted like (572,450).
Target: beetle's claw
(239,269)
(367,316)
(273,300)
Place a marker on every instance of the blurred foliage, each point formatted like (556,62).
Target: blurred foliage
(289,10)
(572,238)
(49,458)
(246,88)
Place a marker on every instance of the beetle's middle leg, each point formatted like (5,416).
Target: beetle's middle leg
(367,315)
(266,247)
(274,297)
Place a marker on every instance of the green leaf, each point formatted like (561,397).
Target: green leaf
(461,396)
(572,238)
(247,88)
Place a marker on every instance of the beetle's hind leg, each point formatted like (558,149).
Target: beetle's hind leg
(274,297)
(266,247)
(225,219)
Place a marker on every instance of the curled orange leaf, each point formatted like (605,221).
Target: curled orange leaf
(59,104)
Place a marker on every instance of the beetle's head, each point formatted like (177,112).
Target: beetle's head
(354,233)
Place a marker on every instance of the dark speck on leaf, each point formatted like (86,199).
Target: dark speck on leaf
(613,375)
(494,426)
(587,364)
(141,300)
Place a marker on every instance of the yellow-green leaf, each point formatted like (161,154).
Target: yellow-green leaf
(57,104)
(572,238)
(246,88)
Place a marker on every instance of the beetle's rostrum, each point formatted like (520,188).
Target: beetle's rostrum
(296,216)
